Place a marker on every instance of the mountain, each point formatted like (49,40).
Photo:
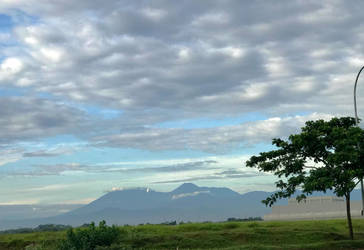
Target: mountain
(129,199)
(186,188)
(188,202)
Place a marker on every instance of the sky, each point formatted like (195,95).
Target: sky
(104,95)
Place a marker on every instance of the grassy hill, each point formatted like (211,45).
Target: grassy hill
(327,234)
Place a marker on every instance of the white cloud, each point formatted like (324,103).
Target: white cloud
(211,19)
(154,14)
(179,196)
(327,12)
(79,201)
(21,202)
(184,54)
(54,55)
(10,155)
(31,40)
(11,66)
(49,188)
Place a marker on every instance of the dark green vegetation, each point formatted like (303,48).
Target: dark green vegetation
(327,234)
(90,237)
(326,155)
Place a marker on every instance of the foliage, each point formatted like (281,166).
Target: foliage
(327,234)
(169,223)
(331,146)
(88,238)
(325,155)
(245,219)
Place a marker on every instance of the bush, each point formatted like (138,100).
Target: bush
(88,238)
(169,223)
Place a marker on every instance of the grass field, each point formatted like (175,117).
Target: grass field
(327,234)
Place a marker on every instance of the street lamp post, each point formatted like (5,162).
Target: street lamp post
(357,124)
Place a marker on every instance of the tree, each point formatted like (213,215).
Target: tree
(90,237)
(326,155)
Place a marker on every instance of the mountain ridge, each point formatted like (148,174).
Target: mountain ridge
(188,202)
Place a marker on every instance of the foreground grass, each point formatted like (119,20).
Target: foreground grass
(327,234)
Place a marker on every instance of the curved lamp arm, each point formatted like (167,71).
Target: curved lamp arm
(357,122)
(356,82)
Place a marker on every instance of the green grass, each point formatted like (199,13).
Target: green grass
(326,234)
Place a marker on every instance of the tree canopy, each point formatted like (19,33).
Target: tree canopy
(325,155)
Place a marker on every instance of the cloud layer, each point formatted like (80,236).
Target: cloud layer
(165,78)
(110,74)
(225,58)
(214,140)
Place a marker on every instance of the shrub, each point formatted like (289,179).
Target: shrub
(88,238)
(169,223)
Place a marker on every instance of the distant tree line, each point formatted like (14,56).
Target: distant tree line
(232,219)
(60,227)
(40,228)
(245,219)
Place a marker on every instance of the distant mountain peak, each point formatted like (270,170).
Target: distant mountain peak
(188,185)
(186,188)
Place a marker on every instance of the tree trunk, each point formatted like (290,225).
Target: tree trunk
(348,214)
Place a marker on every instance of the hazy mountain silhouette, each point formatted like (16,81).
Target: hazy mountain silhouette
(186,188)
(188,202)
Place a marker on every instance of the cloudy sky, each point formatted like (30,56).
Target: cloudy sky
(96,95)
